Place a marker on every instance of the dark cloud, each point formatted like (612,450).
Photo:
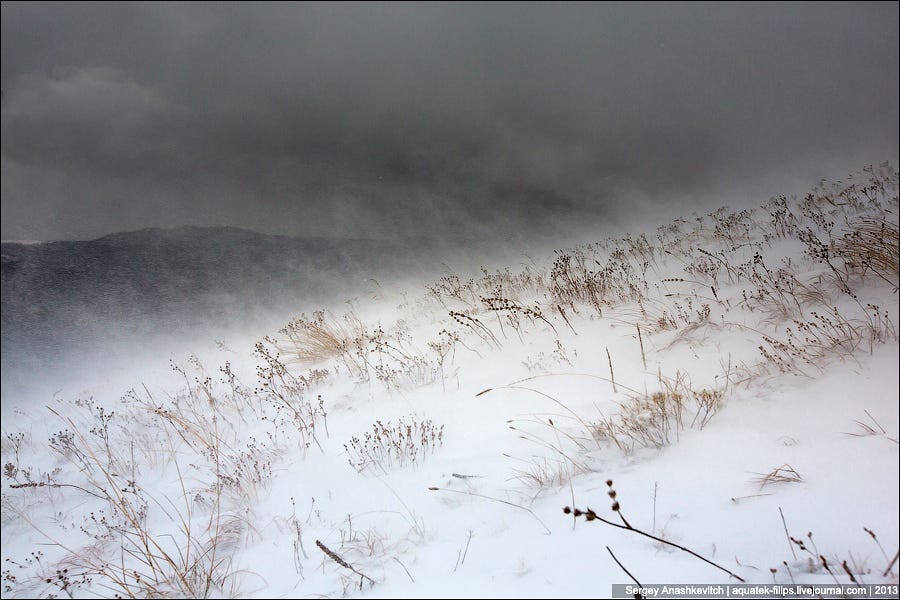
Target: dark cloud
(398,120)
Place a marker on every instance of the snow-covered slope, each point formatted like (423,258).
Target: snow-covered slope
(727,386)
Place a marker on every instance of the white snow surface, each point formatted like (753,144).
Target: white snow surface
(188,486)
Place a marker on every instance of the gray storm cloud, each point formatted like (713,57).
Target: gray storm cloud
(392,120)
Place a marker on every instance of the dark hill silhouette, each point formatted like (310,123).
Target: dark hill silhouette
(60,298)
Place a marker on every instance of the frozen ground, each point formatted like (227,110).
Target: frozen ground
(734,375)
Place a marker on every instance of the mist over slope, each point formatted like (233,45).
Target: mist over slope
(711,397)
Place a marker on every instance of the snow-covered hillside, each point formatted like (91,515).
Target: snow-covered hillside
(726,385)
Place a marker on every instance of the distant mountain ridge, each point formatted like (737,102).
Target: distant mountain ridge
(129,273)
(176,264)
(70,296)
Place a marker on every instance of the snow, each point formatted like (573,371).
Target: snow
(191,485)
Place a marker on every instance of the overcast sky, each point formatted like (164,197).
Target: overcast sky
(396,119)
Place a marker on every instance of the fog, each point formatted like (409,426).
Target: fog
(395,120)
(451,132)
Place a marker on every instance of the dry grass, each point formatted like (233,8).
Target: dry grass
(314,340)
(389,445)
(565,462)
(824,336)
(866,429)
(141,543)
(783,474)
(656,419)
(872,246)
(545,472)
(126,557)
